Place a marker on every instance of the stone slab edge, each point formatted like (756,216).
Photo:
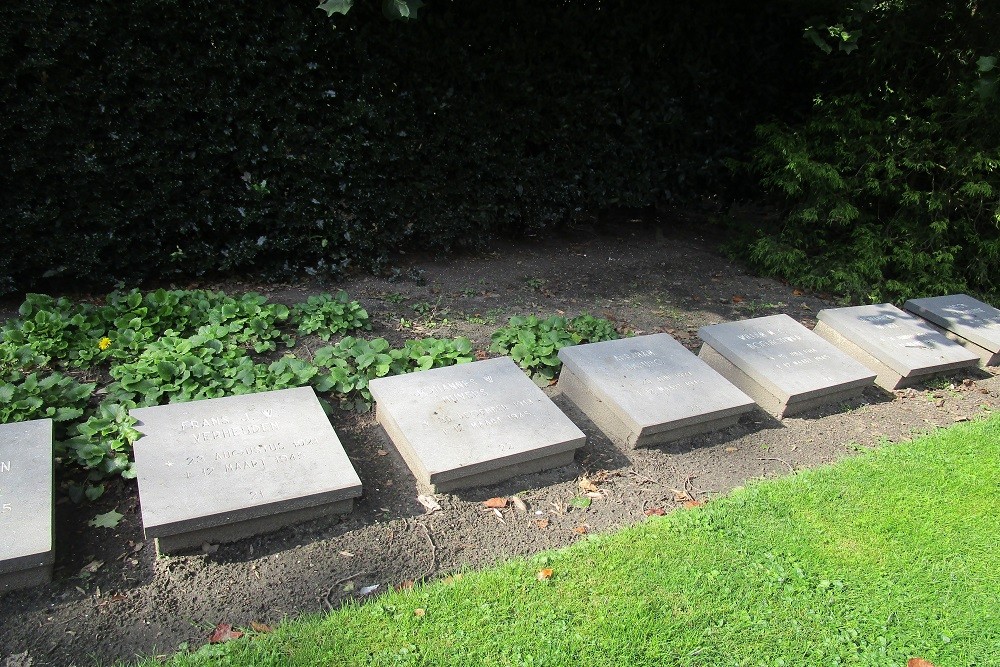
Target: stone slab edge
(769,387)
(885,376)
(231,532)
(29,567)
(986,358)
(768,402)
(916,307)
(582,383)
(28,578)
(405,449)
(880,360)
(628,433)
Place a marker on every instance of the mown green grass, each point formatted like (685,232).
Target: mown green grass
(891,555)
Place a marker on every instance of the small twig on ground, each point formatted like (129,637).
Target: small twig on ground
(790,468)
(689,486)
(643,479)
(325,600)
(430,541)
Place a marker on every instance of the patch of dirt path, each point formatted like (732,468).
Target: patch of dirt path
(113,599)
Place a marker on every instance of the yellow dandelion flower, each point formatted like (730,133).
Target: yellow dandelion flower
(104,343)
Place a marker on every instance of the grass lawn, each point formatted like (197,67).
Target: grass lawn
(891,555)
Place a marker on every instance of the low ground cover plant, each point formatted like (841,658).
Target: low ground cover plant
(352,363)
(534,343)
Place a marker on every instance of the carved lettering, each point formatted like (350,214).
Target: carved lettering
(634,355)
(4,466)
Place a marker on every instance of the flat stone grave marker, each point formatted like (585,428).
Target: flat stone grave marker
(965,320)
(473,424)
(26,554)
(221,469)
(783,366)
(648,390)
(901,348)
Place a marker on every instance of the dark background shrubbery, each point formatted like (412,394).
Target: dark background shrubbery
(161,139)
(155,138)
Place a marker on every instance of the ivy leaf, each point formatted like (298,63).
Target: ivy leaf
(396,10)
(986,63)
(332,7)
(108,520)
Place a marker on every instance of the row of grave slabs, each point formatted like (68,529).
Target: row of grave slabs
(223,469)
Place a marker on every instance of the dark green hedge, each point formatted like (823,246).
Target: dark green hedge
(160,138)
(890,185)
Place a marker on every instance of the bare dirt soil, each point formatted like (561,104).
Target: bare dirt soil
(113,599)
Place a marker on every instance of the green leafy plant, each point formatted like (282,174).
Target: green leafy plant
(57,328)
(535,343)
(353,362)
(178,369)
(349,365)
(33,396)
(102,445)
(326,316)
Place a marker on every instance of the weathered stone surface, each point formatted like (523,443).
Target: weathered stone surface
(648,390)
(227,468)
(901,348)
(473,424)
(967,321)
(783,366)
(26,554)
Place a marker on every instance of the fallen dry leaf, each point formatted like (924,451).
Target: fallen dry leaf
(692,504)
(596,495)
(542,523)
(261,627)
(587,485)
(919,662)
(451,579)
(655,511)
(600,476)
(419,611)
(498,515)
(796,292)
(519,504)
(681,496)
(223,633)
(544,573)
(382,452)
(91,567)
(429,503)
(404,585)
(580,530)
(737,299)
(730,450)
(481,355)
(496,503)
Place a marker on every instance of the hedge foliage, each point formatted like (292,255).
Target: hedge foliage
(891,183)
(163,138)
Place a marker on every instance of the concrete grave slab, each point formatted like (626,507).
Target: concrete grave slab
(473,424)
(901,348)
(26,554)
(782,365)
(648,390)
(967,321)
(223,469)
